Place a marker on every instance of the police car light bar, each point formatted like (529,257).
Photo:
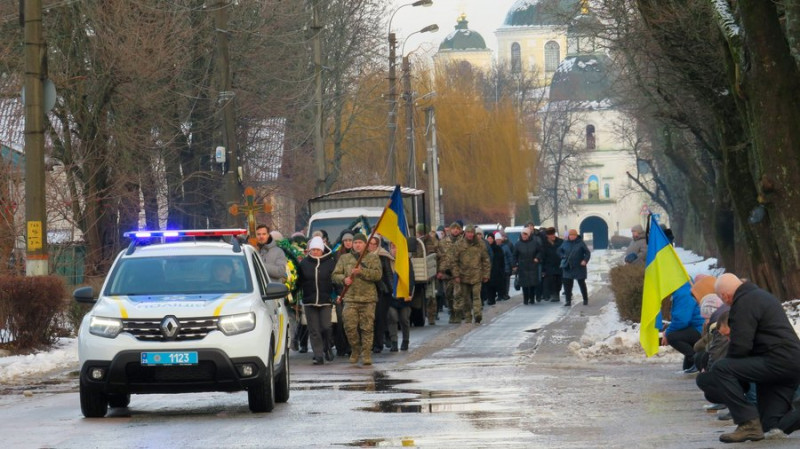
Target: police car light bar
(185,233)
(141,236)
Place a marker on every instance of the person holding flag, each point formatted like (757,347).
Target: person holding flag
(664,274)
(361,270)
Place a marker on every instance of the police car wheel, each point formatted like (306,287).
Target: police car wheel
(119,400)
(282,381)
(261,397)
(94,404)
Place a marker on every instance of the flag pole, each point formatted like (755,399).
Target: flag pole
(361,256)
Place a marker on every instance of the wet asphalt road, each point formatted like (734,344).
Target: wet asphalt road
(508,383)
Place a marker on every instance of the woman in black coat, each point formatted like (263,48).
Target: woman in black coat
(527,253)
(314,278)
(497,274)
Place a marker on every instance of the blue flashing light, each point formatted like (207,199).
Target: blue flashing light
(185,233)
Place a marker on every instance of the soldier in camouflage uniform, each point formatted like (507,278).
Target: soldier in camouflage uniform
(469,263)
(444,271)
(360,299)
(426,290)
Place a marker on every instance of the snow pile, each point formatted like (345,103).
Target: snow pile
(605,337)
(64,355)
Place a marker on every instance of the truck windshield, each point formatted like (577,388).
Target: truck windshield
(179,275)
(335,226)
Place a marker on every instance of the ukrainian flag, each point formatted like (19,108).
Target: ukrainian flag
(393,226)
(664,273)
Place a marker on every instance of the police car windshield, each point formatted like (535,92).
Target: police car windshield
(179,275)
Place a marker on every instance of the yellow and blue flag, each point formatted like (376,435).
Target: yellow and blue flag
(393,226)
(664,273)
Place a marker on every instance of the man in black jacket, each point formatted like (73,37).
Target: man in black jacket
(765,350)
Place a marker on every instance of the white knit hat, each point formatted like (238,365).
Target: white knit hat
(316,243)
(498,236)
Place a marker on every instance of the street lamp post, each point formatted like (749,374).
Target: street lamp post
(392,117)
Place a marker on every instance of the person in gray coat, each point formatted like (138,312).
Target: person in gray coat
(637,250)
(527,254)
(273,257)
(574,258)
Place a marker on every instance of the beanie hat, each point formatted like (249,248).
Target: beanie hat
(276,235)
(420,228)
(469,228)
(498,236)
(550,231)
(316,243)
(637,228)
(526,230)
(454,225)
(709,304)
(440,228)
(702,287)
(573,232)
(360,237)
(347,236)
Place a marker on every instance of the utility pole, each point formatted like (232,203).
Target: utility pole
(437,216)
(408,98)
(319,143)
(392,122)
(225,99)
(35,206)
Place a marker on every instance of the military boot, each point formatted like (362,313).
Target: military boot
(356,351)
(747,431)
(366,357)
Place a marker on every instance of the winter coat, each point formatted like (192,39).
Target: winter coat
(638,247)
(363,288)
(508,257)
(274,260)
(469,261)
(551,260)
(386,284)
(497,276)
(315,278)
(443,255)
(524,253)
(574,251)
(759,327)
(685,312)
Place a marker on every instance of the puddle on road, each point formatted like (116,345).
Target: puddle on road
(377,383)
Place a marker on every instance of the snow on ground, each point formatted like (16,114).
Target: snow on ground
(605,337)
(20,368)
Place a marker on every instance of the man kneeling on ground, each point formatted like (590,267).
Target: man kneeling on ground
(764,349)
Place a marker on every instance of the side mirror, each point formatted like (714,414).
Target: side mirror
(275,290)
(84,295)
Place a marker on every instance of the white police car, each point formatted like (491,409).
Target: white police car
(178,316)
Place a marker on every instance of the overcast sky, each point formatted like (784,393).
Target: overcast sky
(484,16)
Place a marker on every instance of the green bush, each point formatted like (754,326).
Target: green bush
(30,308)
(627,283)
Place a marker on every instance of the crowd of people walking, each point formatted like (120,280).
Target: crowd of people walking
(346,288)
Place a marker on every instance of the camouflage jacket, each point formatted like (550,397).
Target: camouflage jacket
(443,252)
(363,288)
(469,261)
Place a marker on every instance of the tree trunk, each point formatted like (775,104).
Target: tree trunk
(770,85)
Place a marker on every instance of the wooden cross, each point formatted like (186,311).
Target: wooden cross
(250,208)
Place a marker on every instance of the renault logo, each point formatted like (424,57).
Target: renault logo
(170,327)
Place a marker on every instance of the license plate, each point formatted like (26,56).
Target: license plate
(169,358)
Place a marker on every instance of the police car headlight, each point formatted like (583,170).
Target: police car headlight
(105,327)
(237,324)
